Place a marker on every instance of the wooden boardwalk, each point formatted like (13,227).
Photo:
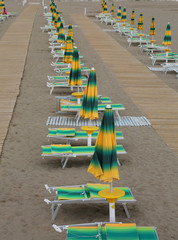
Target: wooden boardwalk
(157,101)
(13,51)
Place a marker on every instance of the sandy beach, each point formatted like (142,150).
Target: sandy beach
(149,168)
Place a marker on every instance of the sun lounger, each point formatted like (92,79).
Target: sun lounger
(84,70)
(170,67)
(109,20)
(170,57)
(62,78)
(59,65)
(60,56)
(47,28)
(109,231)
(140,41)
(86,193)
(150,48)
(64,85)
(67,151)
(64,106)
(70,134)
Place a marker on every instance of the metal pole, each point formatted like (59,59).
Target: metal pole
(85,11)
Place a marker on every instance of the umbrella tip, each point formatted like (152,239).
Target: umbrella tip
(108,106)
(92,68)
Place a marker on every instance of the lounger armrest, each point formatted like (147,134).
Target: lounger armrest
(47,201)
(48,188)
(58,229)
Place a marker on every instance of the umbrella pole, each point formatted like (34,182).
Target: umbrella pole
(89,135)
(112,215)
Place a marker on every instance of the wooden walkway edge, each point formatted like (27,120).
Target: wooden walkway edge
(157,101)
(13,51)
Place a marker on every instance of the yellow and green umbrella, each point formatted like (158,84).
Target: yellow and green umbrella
(102,6)
(167,37)
(112,9)
(75,71)
(152,27)
(124,15)
(140,22)
(89,108)
(56,20)
(105,8)
(70,32)
(58,25)
(61,35)
(53,15)
(119,14)
(132,18)
(68,54)
(104,164)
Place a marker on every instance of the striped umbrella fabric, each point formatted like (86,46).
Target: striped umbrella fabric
(105,8)
(132,18)
(112,9)
(58,25)
(119,14)
(102,6)
(61,35)
(68,54)
(89,108)
(53,15)
(75,71)
(56,20)
(70,32)
(152,27)
(104,161)
(167,37)
(140,22)
(124,15)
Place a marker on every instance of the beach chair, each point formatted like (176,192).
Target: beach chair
(67,151)
(47,28)
(61,71)
(84,194)
(137,40)
(62,78)
(109,231)
(60,56)
(58,65)
(70,134)
(151,48)
(65,106)
(170,67)
(163,57)
(53,85)
(109,20)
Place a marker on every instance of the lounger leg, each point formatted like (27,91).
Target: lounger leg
(126,210)
(118,162)
(55,211)
(117,114)
(65,162)
(51,90)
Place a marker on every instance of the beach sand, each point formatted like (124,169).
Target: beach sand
(149,168)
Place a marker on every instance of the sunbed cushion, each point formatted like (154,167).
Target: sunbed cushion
(70,193)
(68,132)
(123,231)
(60,148)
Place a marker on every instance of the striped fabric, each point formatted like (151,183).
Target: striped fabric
(119,14)
(68,54)
(58,25)
(147,233)
(93,190)
(125,231)
(71,193)
(87,233)
(105,8)
(140,22)
(89,107)
(65,84)
(61,35)
(60,148)
(132,18)
(70,132)
(124,15)
(70,32)
(167,37)
(152,27)
(112,9)
(104,164)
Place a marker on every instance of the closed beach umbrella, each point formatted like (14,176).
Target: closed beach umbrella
(132,18)
(68,54)
(75,72)
(167,37)
(53,15)
(56,20)
(152,27)
(70,32)
(104,161)
(89,108)
(119,14)
(61,35)
(102,6)
(140,22)
(58,25)
(105,8)
(124,15)
(112,9)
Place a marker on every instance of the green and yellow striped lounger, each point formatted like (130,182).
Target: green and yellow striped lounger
(108,231)
(66,151)
(59,65)
(70,134)
(62,78)
(87,193)
(86,70)
(63,84)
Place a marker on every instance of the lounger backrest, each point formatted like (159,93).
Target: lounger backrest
(123,231)
(86,232)
(146,233)
(71,193)
(61,149)
(68,132)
